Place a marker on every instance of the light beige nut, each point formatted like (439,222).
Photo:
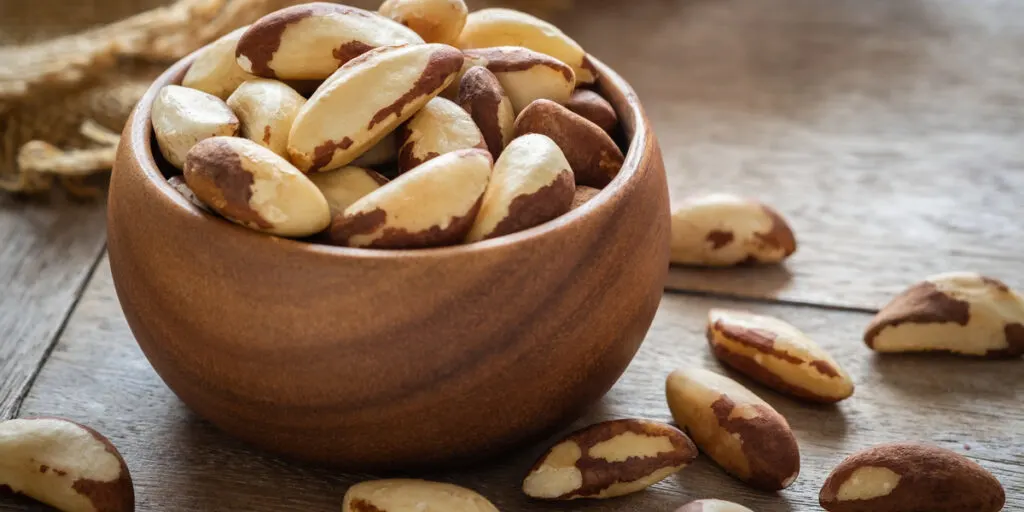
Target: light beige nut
(381,153)
(532,183)
(310,41)
(582,195)
(481,94)
(725,229)
(253,186)
(777,355)
(342,187)
(178,183)
(739,431)
(266,109)
(436,21)
(593,155)
(713,506)
(439,127)
(506,27)
(961,313)
(903,477)
(430,206)
(526,75)
(403,495)
(594,108)
(215,70)
(182,117)
(65,465)
(609,459)
(365,100)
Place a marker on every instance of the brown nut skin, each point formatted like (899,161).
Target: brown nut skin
(910,477)
(593,155)
(482,96)
(439,127)
(720,230)
(962,313)
(436,21)
(582,195)
(609,459)
(594,108)
(526,75)
(712,506)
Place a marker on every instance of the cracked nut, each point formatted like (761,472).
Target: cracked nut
(253,186)
(310,41)
(439,127)
(449,189)
(487,28)
(582,195)
(739,431)
(342,187)
(405,495)
(481,94)
(713,506)
(905,477)
(215,70)
(266,109)
(526,75)
(532,183)
(365,100)
(593,155)
(609,459)
(178,183)
(724,230)
(594,108)
(961,313)
(182,117)
(65,465)
(777,355)
(436,21)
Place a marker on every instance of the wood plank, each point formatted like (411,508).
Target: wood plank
(887,132)
(47,250)
(98,375)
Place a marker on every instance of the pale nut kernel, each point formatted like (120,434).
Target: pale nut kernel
(310,41)
(432,205)
(735,428)
(483,97)
(594,108)
(777,355)
(342,187)
(381,153)
(961,313)
(253,186)
(725,229)
(215,70)
(593,155)
(439,127)
(609,459)
(582,195)
(526,75)
(182,117)
(436,21)
(178,183)
(507,27)
(532,183)
(404,495)
(365,100)
(68,466)
(903,477)
(266,109)
(712,506)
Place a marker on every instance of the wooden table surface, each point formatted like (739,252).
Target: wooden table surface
(889,132)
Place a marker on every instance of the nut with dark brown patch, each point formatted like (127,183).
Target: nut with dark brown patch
(777,355)
(65,465)
(439,127)
(712,506)
(179,184)
(609,459)
(593,155)
(365,100)
(481,94)
(532,183)
(448,191)
(526,75)
(182,117)
(266,109)
(724,230)
(582,195)
(436,21)
(506,27)
(215,70)
(910,477)
(253,186)
(961,313)
(739,431)
(404,495)
(594,108)
(310,41)
(342,187)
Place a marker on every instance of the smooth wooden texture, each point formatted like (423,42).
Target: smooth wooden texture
(98,375)
(888,132)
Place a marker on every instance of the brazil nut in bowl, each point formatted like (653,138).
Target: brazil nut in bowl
(331,342)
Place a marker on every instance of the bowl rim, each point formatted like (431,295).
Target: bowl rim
(139,135)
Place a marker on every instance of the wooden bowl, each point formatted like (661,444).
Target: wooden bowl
(373,359)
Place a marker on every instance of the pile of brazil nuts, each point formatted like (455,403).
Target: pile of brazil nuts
(420,125)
